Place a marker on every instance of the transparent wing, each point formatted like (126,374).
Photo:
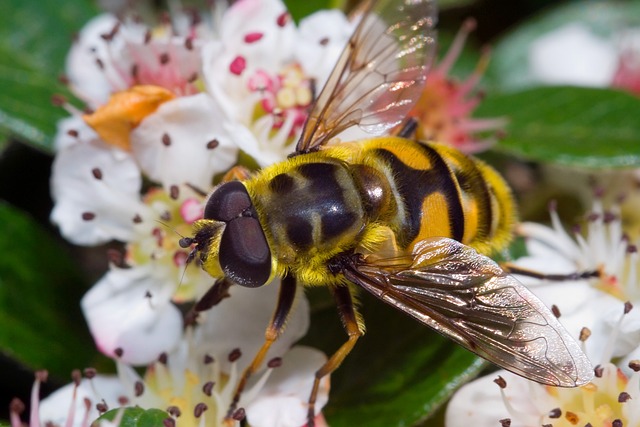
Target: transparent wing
(469,298)
(380,74)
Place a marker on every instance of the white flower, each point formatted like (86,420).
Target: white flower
(263,70)
(593,303)
(575,55)
(196,380)
(609,400)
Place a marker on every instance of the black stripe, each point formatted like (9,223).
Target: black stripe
(414,185)
(472,182)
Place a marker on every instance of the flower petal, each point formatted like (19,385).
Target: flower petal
(240,321)
(96,190)
(55,408)
(573,55)
(283,402)
(184,141)
(89,80)
(321,38)
(131,310)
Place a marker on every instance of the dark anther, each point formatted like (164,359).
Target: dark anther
(585,333)
(276,362)
(118,352)
(598,371)
(555,413)
(16,406)
(635,365)
(89,373)
(102,407)
(42,375)
(208,388)
(174,192)
(624,397)
(166,139)
(239,414)
(163,358)
(88,216)
(617,423)
(212,144)
(199,409)
(627,307)
(174,411)
(208,359)
(72,132)
(555,310)
(505,422)
(501,382)
(137,219)
(76,376)
(169,422)
(235,355)
(138,388)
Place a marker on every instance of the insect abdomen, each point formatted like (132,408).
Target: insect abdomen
(440,192)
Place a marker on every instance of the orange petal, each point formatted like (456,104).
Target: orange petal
(125,110)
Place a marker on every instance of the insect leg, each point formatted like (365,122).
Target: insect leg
(216,293)
(408,129)
(286,297)
(354,327)
(578,275)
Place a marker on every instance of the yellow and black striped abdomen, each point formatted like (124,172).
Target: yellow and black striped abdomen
(441,192)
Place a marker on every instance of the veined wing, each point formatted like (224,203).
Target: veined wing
(469,298)
(380,73)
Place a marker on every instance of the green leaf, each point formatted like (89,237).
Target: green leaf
(582,127)
(135,417)
(39,294)
(399,373)
(34,39)
(509,67)
(300,9)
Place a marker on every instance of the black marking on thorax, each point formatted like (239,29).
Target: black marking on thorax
(414,185)
(312,191)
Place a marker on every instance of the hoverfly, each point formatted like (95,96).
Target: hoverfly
(410,222)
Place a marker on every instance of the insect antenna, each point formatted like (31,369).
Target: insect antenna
(184,243)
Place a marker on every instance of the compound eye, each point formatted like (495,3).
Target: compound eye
(227,202)
(245,257)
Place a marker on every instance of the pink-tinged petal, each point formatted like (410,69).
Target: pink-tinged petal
(96,193)
(259,16)
(572,55)
(249,311)
(130,314)
(90,81)
(283,402)
(184,141)
(55,408)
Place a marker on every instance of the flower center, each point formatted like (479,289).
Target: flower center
(158,238)
(284,96)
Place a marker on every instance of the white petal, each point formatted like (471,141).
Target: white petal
(322,37)
(55,408)
(88,81)
(262,152)
(480,404)
(130,309)
(259,16)
(190,122)
(81,132)
(240,322)
(283,400)
(113,198)
(573,55)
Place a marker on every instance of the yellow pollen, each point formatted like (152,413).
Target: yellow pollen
(303,96)
(286,98)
